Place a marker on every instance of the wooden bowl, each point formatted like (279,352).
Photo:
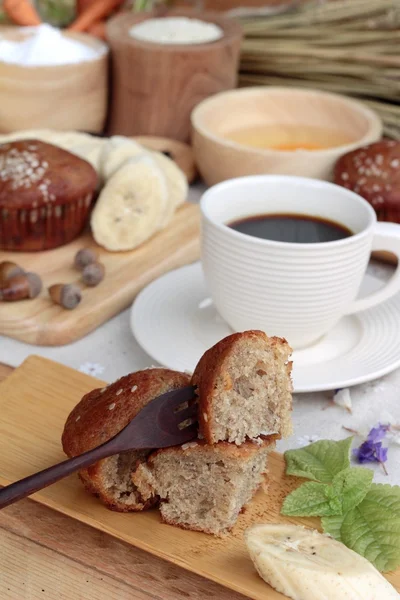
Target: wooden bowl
(63,97)
(156,86)
(219,159)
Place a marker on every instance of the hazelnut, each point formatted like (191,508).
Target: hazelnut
(84,257)
(8,270)
(66,295)
(21,287)
(93,274)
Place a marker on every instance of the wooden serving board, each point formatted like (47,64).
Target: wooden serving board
(45,392)
(41,322)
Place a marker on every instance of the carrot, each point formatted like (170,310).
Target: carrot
(81,5)
(98,29)
(101,9)
(21,12)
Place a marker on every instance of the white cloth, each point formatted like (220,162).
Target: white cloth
(111,351)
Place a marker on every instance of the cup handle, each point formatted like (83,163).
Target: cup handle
(386,238)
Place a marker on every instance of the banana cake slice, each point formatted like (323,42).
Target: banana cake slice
(244,388)
(202,487)
(99,416)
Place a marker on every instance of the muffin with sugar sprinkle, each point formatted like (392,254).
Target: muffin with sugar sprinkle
(45,195)
(373,172)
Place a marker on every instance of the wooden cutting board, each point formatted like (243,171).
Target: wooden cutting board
(45,392)
(41,322)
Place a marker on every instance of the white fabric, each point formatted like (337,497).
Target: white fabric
(111,351)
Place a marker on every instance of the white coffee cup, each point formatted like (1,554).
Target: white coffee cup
(296,291)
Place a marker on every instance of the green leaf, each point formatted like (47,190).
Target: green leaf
(351,487)
(310,500)
(319,461)
(372,528)
(335,501)
(333,526)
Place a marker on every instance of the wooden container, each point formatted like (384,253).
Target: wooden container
(63,97)
(219,158)
(156,86)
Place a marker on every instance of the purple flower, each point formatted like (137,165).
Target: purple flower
(377,434)
(365,453)
(380,452)
(372,450)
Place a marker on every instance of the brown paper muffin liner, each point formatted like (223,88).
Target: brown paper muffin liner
(43,228)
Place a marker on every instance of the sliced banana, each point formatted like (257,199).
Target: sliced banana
(69,139)
(90,150)
(176,181)
(306,565)
(115,153)
(63,139)
(118,151)
(131,206)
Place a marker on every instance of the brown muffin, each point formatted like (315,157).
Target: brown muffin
(373,172)
(45,195)
(244,388)
(201,487)
(103,413)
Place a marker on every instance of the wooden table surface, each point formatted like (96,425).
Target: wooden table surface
(44,554)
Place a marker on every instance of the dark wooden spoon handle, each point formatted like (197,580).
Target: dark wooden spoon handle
(29,485)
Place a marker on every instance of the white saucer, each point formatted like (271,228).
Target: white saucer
(174,321)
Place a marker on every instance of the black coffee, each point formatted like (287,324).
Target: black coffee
(292,228)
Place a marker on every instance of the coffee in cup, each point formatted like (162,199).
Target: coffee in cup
(288,254)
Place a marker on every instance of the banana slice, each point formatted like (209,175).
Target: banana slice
(69,139)
(115,153)
(306,565)
(63,139)
(119,151)
(131,206)
(176,181)
(90,150)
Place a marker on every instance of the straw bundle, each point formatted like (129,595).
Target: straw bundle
(349,46)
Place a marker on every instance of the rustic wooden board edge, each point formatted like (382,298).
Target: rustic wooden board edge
(182,564)
(5,371)
(41,323)
(155,578)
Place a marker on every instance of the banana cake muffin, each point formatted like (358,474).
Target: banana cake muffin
(45,195)
(245,388)
(203,487)
(373,172)
(244,400)
(103,413)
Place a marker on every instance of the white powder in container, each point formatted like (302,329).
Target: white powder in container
(46,46)
(176,30)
